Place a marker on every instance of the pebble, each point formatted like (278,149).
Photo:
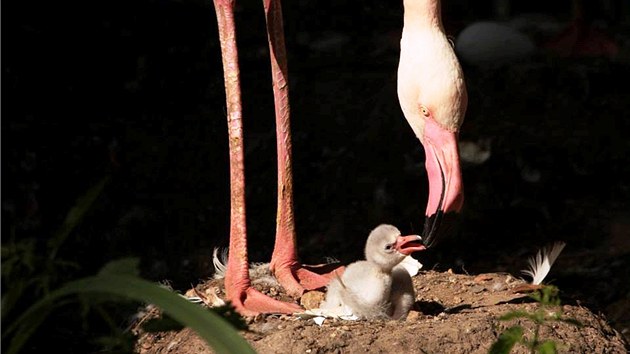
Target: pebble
(477,289)
(413,316)
(499,286)
(312,299)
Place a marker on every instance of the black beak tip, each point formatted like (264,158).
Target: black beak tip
(438,226)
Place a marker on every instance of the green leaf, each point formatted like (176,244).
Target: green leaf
(547,347)
(228,312)
(216,331)
(11,297)
(548,295)
(507,340)
(28,328)
(125,266)
(75,215)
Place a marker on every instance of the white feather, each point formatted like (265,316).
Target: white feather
(411,265)
(220,265)
(540,264)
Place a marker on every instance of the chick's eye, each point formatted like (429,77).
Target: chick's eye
(389,247)
(425,111)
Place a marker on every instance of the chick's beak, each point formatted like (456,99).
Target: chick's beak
(409,244)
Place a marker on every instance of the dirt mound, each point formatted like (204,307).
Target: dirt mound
(453,313)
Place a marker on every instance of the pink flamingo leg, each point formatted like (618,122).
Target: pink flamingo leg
(243,297)
(294,277)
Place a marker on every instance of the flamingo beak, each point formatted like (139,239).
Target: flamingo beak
(409,244)
(446,190)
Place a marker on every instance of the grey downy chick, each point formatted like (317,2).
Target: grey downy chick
(377,287)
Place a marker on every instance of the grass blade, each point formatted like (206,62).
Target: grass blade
(507,340)
(216,331)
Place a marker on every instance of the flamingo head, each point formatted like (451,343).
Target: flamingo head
(433,98)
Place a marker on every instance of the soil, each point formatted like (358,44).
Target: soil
(454,313)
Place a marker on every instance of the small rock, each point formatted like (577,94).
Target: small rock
(266,327)
(172,345)
(526,288)
(498,286)
(213,300)
(312,299)
(413,316)
(477,289)
(482,277)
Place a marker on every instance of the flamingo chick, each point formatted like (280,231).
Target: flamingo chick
(377,287)
(433,98)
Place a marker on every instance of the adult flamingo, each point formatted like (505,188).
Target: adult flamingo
(433,98)
(294,277)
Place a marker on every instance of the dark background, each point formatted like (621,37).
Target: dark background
(134,90)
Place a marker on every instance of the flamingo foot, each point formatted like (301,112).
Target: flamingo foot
(296,278)
(250,302)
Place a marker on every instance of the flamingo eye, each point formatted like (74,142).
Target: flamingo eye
(425,111)
(389,247)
